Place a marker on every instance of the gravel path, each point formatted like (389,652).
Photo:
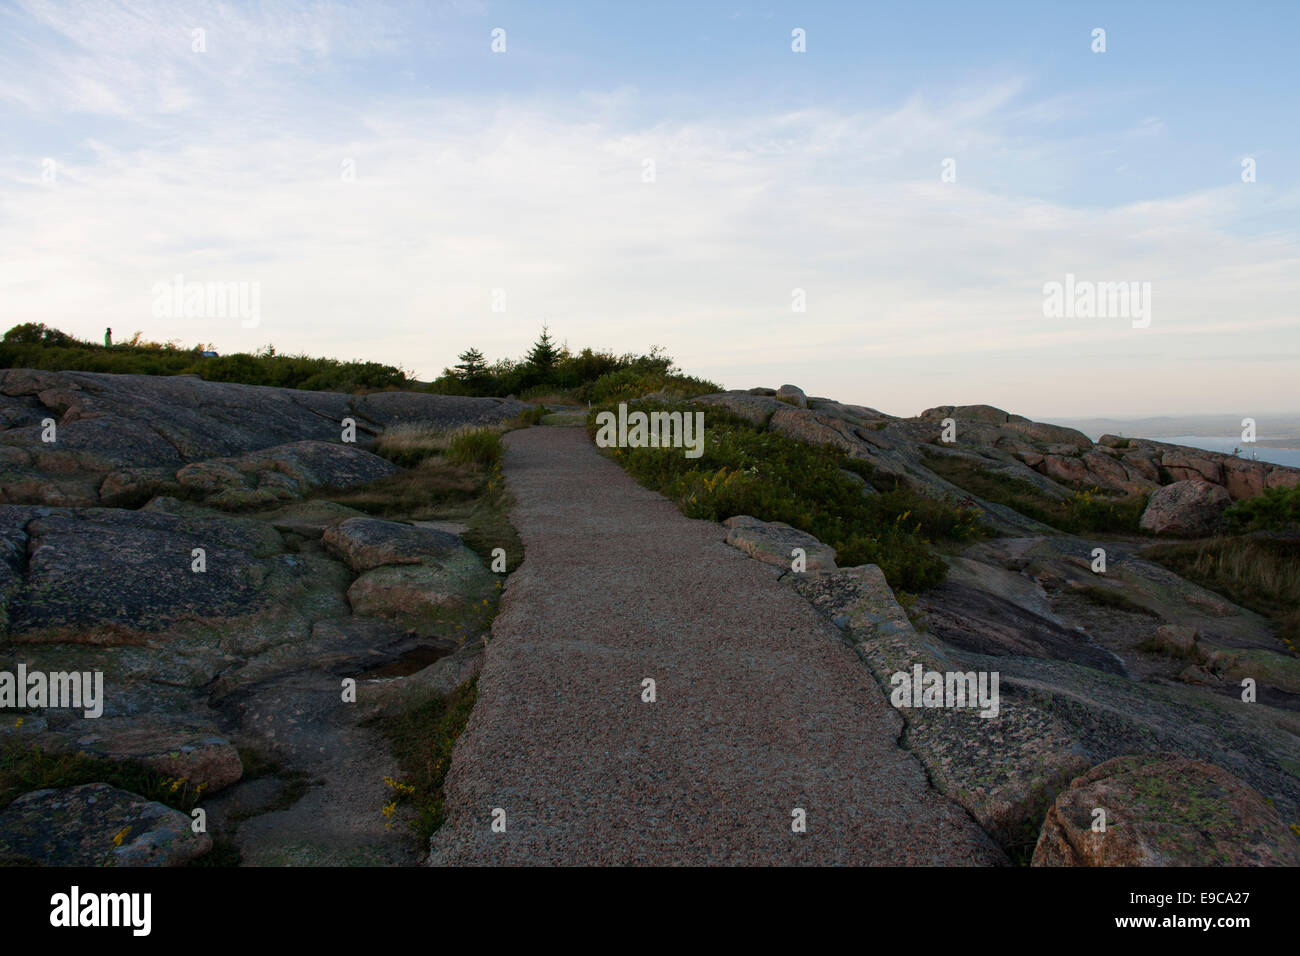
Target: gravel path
(761,709)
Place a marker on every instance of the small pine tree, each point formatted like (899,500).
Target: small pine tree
(544,355)
(471,365)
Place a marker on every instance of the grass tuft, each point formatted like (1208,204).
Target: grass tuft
(478,447)
(24,769)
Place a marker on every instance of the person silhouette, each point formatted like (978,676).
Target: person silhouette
(108,338)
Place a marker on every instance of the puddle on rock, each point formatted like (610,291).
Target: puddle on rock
(417,658)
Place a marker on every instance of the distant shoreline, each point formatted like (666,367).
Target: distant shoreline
(1277,451)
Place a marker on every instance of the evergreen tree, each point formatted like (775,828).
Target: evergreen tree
(471,365)
(543,355)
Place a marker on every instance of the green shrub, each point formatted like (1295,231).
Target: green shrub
(1084,511)
(746,469)
(1277,509)
(630,383)
(557,374)
(1108,597)
(34,346)
(527,418)
(1092,511)
(37,333)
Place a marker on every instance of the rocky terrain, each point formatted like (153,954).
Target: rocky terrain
(177,536)
(1052,458)
(1132,663)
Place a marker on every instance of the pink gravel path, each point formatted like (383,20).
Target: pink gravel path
(761,708)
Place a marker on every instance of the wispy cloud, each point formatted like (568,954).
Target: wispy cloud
(919,291)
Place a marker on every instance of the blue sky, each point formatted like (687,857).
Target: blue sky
(522,172)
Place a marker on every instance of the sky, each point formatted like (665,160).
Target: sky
(676,174)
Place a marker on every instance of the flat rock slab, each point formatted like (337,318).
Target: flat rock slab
(265,477)
(1003,769)
(198,755)
(366,543)
(311,517)
(97,825)
(972,618)
(774,542)
(760,709)
(451,527)
(101,567)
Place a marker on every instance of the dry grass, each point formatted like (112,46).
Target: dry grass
(480,447)
(1254,571)
(419,492)
(411,445)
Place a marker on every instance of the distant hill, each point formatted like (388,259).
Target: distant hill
(1281,431)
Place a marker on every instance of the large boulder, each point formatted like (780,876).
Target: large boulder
(1064,468)
(984,414)
(1186,465)
(97,825)
(1188,508)
(419,595)
(817,428)
(756,408)
(1245,479)
(792,394)
(1163,810)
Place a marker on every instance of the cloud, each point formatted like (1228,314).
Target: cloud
(142,61)
(920,292)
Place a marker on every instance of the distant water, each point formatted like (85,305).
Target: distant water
(1278,456)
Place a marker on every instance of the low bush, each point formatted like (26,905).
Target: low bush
(745,469)
(1084,511)
(33,345)
(1277,509)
